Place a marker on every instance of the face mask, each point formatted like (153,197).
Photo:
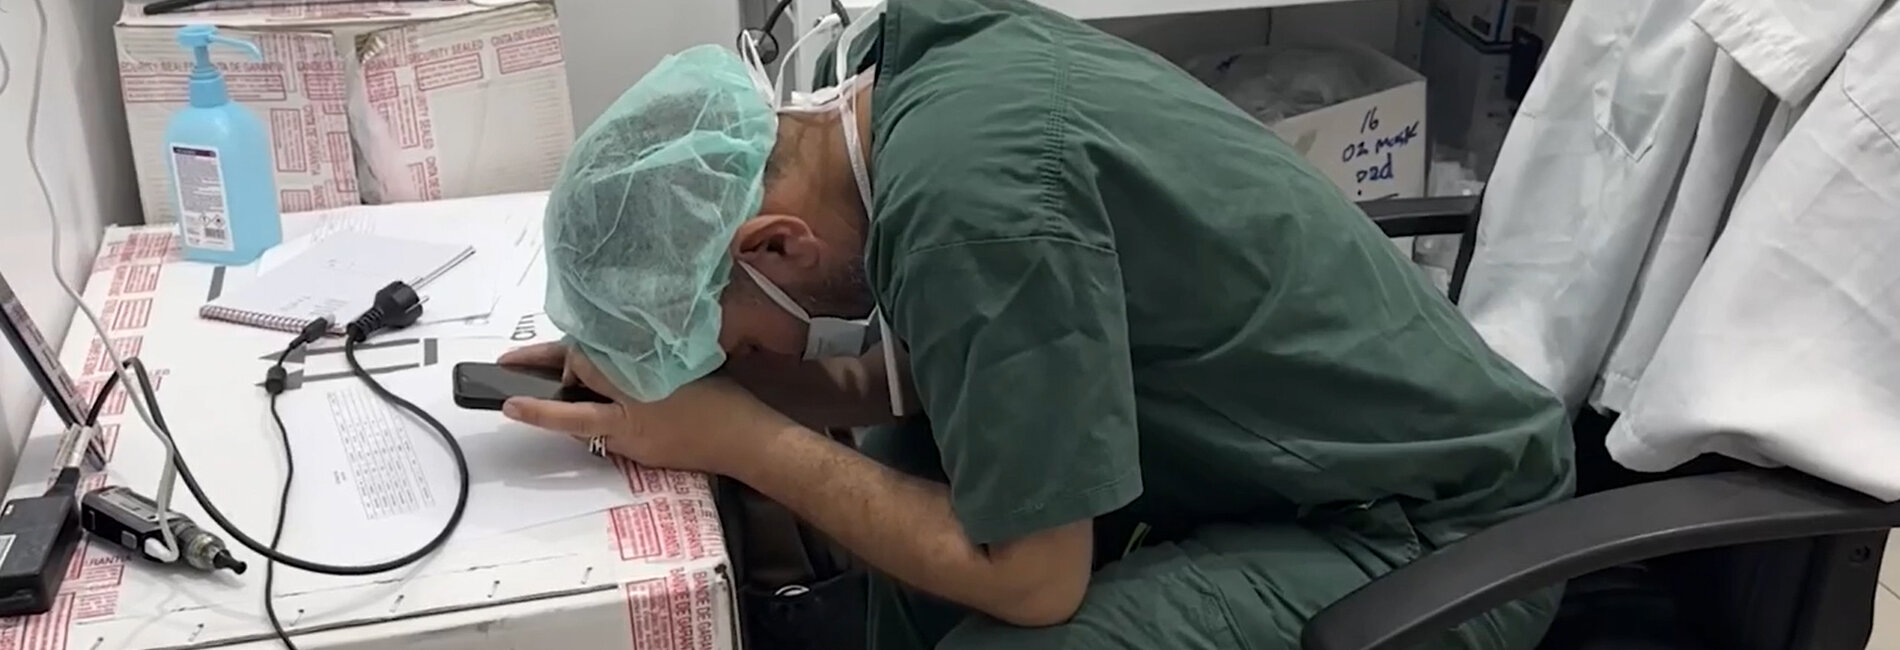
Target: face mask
(825,336)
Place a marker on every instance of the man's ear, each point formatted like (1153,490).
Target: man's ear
(777,242)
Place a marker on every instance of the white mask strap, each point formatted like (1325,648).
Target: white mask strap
(841,57)
(856,154)
(825,25)
(772,291)
(755,68)
(895,385)
(840,62)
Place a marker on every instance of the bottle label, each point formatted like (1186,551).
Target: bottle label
(198,178)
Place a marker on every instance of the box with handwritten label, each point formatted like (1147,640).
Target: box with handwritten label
(1356,114)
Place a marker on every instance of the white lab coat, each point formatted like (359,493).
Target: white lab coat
(1611,267)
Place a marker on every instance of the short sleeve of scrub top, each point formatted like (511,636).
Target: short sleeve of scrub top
(1019,351)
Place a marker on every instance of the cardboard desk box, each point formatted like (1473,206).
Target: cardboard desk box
(651,574)
(366,102)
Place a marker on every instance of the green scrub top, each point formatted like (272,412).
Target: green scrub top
(1123,298)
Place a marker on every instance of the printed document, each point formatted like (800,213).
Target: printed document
(374,483)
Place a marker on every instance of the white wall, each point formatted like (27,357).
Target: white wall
(611,43)
(85,155)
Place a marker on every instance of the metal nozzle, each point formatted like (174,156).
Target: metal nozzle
(201,549)
(223,560)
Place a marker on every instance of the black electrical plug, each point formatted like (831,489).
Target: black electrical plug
(276,377)
(396,306)
(312,332)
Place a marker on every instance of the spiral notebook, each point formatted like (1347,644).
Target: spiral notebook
(336,278)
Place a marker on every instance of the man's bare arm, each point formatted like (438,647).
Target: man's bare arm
(904,527)
(825,393)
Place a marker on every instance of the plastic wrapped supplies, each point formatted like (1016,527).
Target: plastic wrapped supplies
(1356,114)
(1437,255)
(1273,83)
(1325,98)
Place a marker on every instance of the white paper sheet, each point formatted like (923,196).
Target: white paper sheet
(373,483)
(517,316)
(472,288)
(337,278)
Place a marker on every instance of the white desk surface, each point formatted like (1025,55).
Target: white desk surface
(649,575)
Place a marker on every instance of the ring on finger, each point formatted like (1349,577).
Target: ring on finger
(597,446)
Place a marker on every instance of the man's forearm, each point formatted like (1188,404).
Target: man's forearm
(901,525)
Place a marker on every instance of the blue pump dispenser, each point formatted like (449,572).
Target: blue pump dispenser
(219,155)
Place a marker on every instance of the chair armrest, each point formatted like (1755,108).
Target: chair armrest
(1584,535)
(1419,217)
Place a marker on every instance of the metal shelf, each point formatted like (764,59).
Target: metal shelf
(1081,9)
(1098,9)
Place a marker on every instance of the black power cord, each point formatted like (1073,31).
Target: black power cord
(395,306)
(274,381)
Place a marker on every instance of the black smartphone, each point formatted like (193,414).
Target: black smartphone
(484,386)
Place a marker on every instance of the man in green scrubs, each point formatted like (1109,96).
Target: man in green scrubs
(1164,386)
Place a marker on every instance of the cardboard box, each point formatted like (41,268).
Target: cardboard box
(463,106)
(366,101)
(1494,21)
(1374,146)
(297,90)
(652,574)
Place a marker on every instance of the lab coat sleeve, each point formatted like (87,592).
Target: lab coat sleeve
(1790,45)
(1733,111)
(1585,176)
(1785,349)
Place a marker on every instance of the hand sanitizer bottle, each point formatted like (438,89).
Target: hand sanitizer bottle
(219,156)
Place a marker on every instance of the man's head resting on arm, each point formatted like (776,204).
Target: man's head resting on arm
(688,179)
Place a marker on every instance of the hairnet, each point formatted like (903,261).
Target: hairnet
(641,216)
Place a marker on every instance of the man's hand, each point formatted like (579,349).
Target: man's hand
(705,426)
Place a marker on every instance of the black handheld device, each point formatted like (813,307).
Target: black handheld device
(37,538)
(485,386)
(124,518)
(38,535)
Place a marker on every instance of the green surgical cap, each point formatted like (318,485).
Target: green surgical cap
(641,216)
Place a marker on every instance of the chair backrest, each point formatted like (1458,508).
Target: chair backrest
(1456,215)
(1798,594)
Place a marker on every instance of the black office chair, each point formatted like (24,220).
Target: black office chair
(1717,555)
